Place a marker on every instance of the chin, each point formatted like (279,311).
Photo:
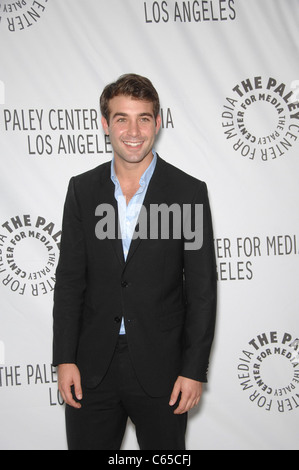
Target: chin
(134,158)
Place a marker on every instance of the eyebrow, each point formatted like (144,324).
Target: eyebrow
(126,115)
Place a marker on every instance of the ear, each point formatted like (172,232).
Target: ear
(105,125)
(158,123)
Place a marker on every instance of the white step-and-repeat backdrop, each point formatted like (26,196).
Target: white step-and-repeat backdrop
(228,75)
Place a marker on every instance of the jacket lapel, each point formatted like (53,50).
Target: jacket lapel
(155,195)
(104,194)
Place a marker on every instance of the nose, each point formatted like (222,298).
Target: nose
(133,129)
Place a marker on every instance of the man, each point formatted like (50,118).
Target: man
(134,312)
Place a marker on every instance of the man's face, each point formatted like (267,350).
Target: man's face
(132,128)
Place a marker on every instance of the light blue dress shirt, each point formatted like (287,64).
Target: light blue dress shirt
(128,213)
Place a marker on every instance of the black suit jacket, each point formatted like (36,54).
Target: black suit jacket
(166,294)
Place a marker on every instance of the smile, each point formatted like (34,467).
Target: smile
(133,144)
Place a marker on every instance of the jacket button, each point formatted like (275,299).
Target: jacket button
(117,320)
(124,284)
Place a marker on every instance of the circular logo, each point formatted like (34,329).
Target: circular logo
(29,251)
(261,118)
(21,15)
(268,371)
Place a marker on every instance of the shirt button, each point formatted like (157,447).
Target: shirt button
(124,284)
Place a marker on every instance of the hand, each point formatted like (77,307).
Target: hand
(191,391)
(68,376)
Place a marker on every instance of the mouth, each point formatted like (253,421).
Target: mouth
(133,145)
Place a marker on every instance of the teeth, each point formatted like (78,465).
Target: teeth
(133,144)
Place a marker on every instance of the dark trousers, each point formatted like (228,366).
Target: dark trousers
(101,422)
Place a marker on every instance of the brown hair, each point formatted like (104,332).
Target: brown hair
(135,86)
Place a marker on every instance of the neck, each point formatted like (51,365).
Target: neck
(131,171)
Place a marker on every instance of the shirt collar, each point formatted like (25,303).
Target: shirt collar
(145,178)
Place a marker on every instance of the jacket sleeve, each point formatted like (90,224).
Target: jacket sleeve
(201,293)
(70,282)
